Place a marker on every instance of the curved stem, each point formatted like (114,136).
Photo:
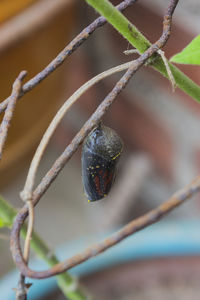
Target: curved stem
(4,126)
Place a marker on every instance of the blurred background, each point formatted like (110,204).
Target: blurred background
(160,129)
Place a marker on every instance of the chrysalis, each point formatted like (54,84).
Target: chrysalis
(100,154)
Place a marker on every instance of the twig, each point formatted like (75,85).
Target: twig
(22,289)
(131,51)
(29,184)
(17,87)
(132,227)
(67,51)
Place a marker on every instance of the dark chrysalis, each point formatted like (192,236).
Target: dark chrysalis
(101,151)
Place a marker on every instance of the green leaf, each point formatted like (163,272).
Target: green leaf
(7,213)
(1,223)
(190,54)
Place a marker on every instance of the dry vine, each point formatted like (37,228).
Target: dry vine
(17,87)
(70,150)
(33,197)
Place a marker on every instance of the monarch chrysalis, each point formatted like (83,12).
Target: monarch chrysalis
(101,151)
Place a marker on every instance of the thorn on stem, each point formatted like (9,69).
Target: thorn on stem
(131,51)
(169,72)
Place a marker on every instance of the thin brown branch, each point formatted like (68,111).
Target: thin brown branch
(67,51)
(132,227)
(17,87)
(22,289)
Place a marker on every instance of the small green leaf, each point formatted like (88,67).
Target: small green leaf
(7,213)
(1,223)
(190,54)
(4,223)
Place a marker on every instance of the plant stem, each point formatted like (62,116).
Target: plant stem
(66,282)
(121,23)
(138,40)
